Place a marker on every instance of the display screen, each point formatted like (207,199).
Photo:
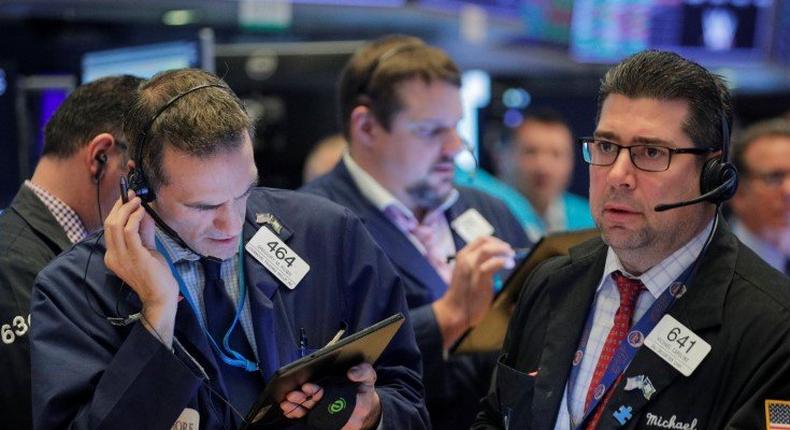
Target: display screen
(373,3)
(714,32)
(143,61)
(508,8)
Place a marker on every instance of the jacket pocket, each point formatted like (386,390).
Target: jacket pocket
(514,391)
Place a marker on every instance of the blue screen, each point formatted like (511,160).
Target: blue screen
(714,32)
(143,61)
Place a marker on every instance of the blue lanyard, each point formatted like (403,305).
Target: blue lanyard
(226,353)
(629,346)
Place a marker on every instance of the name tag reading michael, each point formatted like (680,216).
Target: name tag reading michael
(677,345)
(277,257)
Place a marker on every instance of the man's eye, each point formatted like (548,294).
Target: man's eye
(654,152)
(607,146)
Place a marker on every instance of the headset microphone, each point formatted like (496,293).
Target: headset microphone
(718,194)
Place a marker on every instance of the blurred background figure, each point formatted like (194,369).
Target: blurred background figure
(323,157)
(543,165)
(761,207)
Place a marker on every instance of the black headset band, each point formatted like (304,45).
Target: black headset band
(138,158)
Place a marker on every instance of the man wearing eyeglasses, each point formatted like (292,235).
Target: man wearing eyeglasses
(400,104)
(761,207)
(667,321)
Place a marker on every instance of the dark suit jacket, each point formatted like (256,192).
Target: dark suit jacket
(452,386)
(88,373)
(736,303)
(29,238)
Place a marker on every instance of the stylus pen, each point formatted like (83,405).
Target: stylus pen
(302,342)
(519,254)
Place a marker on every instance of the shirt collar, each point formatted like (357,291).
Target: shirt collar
(175,252)
(68,219)
(765,250)
(380,197)
(660,276)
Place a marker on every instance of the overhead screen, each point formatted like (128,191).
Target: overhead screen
(544,21)
(714,32)
(143,61)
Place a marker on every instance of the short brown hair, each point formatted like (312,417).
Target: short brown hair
(201,123)
(668,76)
(93,108)
(372,75)
(776,127)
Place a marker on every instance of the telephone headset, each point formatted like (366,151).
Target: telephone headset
(718,179)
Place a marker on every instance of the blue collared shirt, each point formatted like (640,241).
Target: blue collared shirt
(188,266)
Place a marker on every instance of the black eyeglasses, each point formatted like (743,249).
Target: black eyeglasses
(650,158)
(772,179)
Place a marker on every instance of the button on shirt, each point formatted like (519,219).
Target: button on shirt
(188,266)
(376,194)
(607,300)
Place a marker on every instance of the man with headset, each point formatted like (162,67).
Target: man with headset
(73,186)
(167,321)
(400,104)
(667,320)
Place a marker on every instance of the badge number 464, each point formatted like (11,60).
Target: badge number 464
(285,264)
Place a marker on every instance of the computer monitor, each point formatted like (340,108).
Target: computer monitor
(144,61)
(713,32)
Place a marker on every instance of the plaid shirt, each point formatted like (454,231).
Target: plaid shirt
(64,215)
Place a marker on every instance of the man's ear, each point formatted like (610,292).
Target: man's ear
(97,154)
(362,124)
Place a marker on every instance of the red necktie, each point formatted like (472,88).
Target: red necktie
(629,292)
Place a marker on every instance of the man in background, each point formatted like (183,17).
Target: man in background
(761,207)
(400,104)
(543,157)
(73,187)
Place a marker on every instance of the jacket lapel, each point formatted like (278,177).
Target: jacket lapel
(403,254)
(191,336)
(276,343)
(572,291)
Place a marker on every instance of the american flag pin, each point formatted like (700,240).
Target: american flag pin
(777,414)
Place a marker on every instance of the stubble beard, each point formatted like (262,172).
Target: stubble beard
(425,196)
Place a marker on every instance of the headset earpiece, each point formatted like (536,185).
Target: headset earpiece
(719,178)
(102,160)
(139,185)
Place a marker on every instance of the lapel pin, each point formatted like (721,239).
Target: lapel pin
(623,414)
(270,220)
